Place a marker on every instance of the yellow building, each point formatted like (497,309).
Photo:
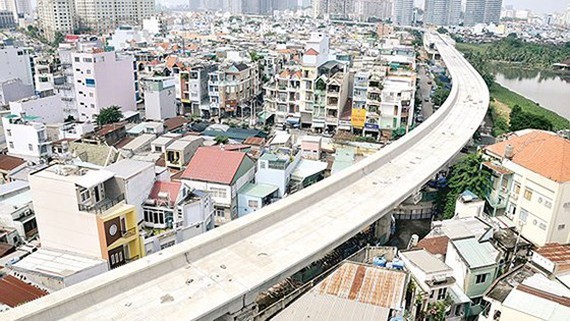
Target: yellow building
(83,211)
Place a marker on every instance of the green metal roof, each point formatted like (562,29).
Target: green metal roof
(257,190)
(477,254)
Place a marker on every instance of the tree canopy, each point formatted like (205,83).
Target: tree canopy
(109,115)
(523,120)
(467,174)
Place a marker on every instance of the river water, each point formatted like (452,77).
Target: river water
(551,91)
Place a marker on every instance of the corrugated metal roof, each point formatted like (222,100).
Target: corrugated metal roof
(352,292)
(426,261)
(476,254)
(258,190)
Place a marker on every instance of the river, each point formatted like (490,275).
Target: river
(550,90)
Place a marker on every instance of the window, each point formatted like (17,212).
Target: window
(87,60)
(253,204)
(11,144)
(523,215)
(442,293)
(561,226)
(76,59)
(88,71)
(218,192)
(90,82)
(480,278)
(527,194)
(220,213)
(84,195)
(542,226)
(9,132)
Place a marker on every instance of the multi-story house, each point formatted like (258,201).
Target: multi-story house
(532,191)
(16,63)
(234,88)
(26,138)
(282,95)
(316,54)
(434,283)
(275,168)
(102,79)
(397,103)
(47,109)
(17,211)
(179,152)
(366,98)
(476,266)
(160,100)
(173,213)
(221,173)
(63,82)
(88,207)
(43,75)
(330,96)
(192,87)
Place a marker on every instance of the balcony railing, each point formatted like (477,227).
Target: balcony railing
(129,233)
(103,205)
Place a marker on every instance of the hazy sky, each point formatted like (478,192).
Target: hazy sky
(539,6)
(542,6)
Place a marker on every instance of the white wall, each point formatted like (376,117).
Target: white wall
(15,64)
(60,224)
(49,109)
(22,140)
(114,83)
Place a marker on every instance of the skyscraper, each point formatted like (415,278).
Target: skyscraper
(482,11)
(56,16)
(381,9)
(403,12)
(442,12)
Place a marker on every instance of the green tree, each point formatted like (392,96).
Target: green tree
(109,115)
(467,174)
(523,120)
(221,140)
(59,38)
(440,95)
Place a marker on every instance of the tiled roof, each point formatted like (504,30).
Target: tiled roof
(172,188)
(8,163)
(311,52)
(557,253)
(254,141)
(14,292)
(214,165)
(175,122)
(541,152)
(434,245)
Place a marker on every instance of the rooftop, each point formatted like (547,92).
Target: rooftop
(426,261)
(476,254)
(14,292)
(258,190)
(8,163)
(56,263)
(558,254)
(127,168)
(554,160)
(435,245)
(171,189)
(352,292)
(214,165)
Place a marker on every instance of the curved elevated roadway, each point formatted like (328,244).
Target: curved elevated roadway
(223,270)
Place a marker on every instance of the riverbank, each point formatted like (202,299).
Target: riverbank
(503,100)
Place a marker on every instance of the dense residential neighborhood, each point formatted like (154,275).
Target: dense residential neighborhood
(280,160)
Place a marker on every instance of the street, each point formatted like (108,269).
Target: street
(425,91)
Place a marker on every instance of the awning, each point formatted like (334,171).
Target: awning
(263,116)
(318,125)
(293,120)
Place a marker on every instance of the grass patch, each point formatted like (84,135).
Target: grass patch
(504,98)
(478,48)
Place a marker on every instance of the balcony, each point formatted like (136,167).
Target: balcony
(63,86)
(102,206)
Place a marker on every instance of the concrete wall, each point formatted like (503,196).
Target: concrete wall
(48,109)
(60,224)
(160,105)
(15,64)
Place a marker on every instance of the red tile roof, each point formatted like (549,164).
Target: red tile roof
(557,253)
(8,163)
(434,245)
(14,292)
(175,122)
(254,141)
(171,188)
(541,152)
(214,165)
(311,52)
